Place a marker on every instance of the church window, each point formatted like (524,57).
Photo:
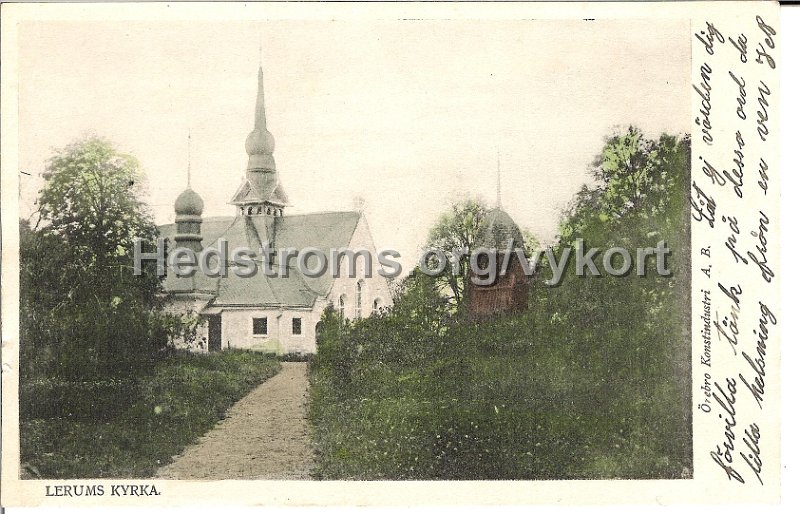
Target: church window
(260,326)
(376,305)
(359,297)
(342,301)
(249,211)
(297,326)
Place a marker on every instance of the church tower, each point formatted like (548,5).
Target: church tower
(509,292)
(189,216)
(261,194)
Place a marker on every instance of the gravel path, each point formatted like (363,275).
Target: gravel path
(264,436)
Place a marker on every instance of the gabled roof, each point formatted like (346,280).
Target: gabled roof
(260,290)
(322,230)
(245,194)
(279,195)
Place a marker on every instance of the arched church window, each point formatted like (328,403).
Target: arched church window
(359,297)
(249,211)
(269,211)
(342,301)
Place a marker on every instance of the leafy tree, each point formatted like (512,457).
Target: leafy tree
(531,242)
(92,200)
(633,179)
(94,314)
(42,271)
(631,331)
(454,234)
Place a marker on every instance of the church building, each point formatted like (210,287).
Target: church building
(271,313)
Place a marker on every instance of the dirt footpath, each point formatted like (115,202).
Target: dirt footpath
(264,436)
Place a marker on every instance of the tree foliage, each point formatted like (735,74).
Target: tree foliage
(634,177)
(455,234)
(83,310)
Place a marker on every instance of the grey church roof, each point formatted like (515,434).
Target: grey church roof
(260,189)
(325,231)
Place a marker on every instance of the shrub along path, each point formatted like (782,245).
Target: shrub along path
(265,435)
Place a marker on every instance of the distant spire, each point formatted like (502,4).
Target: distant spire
(498,178)
(260,144)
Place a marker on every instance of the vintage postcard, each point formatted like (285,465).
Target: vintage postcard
(315,254)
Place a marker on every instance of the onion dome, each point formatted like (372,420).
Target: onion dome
(189,203)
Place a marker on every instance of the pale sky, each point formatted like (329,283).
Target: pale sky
(408,115)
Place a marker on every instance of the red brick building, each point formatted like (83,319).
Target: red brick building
(509,291)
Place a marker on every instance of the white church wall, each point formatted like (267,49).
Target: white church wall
(373,287)
(305,341)
(237,322)
(237,330)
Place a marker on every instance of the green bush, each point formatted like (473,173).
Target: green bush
(489,401)
(52,398)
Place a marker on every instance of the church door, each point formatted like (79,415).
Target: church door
(214,333)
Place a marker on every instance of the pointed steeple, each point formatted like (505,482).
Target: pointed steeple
(261,192)
(499,205)
(189,162)
(261,114)
(260,144)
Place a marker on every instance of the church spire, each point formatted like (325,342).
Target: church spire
(189,161)
(260,144)
(261,193)
(261,115)
(499,205)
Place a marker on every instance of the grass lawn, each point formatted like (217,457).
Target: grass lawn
(130,429)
